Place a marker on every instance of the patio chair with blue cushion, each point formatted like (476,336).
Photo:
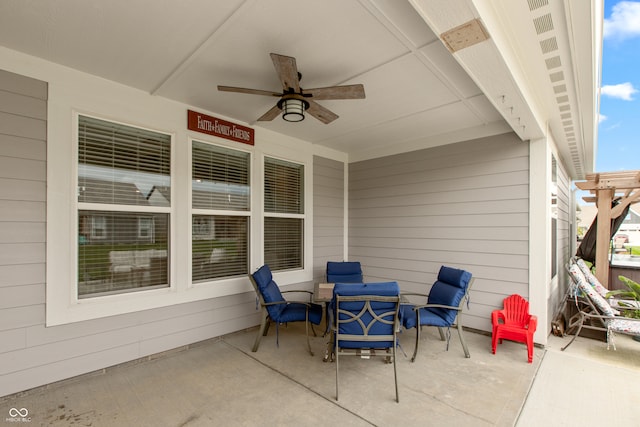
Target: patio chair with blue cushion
(366,321)
(344,272)
(444,304)
(275,308)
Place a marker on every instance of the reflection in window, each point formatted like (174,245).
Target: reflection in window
(284,214)
(220,206)
(123,180)
(126,257)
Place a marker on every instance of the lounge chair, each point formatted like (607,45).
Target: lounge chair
(595,313)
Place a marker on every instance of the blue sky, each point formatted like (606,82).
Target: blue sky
(619,128)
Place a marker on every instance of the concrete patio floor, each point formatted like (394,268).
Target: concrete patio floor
(220,382)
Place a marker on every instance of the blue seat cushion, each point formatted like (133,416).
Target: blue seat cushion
(428,317)
(449,289)
(378,307)
(344,272)
(269,290)
(454,276)
(295,312)
(287,312)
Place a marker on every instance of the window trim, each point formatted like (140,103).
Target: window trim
(287,215)
(225,281)
(62,303)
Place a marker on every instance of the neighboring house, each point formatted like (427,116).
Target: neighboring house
(631,226)
(159,196)
(584,217)
(478,116)
(95,227)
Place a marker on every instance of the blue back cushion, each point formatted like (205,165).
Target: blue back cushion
(269,290)
(378,307)
(449,290)
(344,272)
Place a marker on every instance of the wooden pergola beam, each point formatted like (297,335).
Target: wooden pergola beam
(603,235)
(603,187)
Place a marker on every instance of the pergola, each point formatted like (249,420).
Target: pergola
(623,187)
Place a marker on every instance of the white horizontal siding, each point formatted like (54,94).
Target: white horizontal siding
(464,205)
(328,214)
(30,353)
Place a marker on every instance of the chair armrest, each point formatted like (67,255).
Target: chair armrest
(405,300)
(297,290)
(497,316)
(533,323)
(449,307)
(308,304)
(266,304)
(310,293)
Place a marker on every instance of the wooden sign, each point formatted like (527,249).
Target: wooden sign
(217,127)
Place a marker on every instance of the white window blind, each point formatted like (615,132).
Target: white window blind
(220,178)
(283,187)
(123,241)
(221,204)
(284,214)
(122,165)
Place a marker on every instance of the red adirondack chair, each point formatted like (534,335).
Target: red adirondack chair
(514,323)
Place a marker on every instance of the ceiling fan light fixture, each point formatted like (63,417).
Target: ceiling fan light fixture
(293,109)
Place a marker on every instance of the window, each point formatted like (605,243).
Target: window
(284,214)
(220,212)
(124,203)
(145,228)
(98,227)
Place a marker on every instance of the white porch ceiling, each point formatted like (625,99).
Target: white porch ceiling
(417,93)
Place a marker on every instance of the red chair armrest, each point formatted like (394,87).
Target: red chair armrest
(497,316)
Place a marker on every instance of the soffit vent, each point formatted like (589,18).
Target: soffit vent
(537,4)
(556,77)
(543,23)
(542,20)
(549,45)
(553,62)
(559,89)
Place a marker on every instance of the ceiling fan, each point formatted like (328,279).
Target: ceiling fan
(294,100)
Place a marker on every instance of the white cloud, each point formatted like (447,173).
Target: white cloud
(620,91)
(602,118)
(624,21)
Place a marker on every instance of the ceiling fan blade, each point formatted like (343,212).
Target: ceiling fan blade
(249,91)
(321,113)
(287,71)
(270,115)
(337,92)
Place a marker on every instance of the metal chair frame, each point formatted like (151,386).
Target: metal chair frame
(388,317)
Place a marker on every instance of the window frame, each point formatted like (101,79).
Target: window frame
(227,280)
(136,210)
(62,302)
(287,215)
